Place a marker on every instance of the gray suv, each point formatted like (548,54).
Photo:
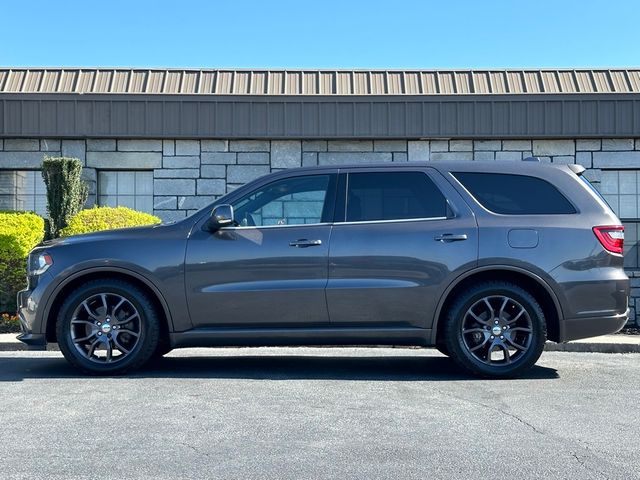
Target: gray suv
(484,261)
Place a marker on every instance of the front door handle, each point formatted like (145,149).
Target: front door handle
(450,237)
(304,243)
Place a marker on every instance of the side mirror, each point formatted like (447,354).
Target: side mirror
(221,216)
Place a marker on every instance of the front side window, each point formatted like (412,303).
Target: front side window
(515,194)
(291,201)
(133,189)
(375,196)
(23,190)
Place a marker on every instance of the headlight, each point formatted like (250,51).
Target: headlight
(39,263)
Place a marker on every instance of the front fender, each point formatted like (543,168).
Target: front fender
(171,309)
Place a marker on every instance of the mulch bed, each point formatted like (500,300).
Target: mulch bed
(9,323)
(630,331)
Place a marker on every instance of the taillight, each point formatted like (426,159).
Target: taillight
(611,238)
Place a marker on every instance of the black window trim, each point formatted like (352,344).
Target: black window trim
(329,203)
(341,199)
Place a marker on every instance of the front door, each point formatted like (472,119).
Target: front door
(271,268)
(401,240)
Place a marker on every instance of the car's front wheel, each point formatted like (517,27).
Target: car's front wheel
(107,327)
(495,329)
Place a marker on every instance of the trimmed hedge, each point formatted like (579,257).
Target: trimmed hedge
(19,233)
(106,218)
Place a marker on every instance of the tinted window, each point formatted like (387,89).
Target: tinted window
(291,201)
(393,196)
(515,194)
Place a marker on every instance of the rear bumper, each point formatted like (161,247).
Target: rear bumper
(577,328)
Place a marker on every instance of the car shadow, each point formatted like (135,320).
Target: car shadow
(270,367)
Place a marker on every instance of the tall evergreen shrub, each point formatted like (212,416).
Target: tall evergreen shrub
(66,192)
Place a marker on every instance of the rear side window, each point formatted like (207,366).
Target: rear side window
(393,196)
(515,194)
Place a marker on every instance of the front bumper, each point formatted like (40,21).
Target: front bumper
(31,324)
(577,328)
(35,341)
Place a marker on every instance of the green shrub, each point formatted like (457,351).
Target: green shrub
(66,192)
(106,218)
(19,233)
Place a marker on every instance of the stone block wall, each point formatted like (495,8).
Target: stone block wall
(194,173)
(189,174)
(28,153)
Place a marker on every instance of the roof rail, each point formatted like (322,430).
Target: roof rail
(531,159)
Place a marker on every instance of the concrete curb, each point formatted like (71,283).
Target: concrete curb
(9,343)
(607,344)
(584,347)
(18,346)
(12,346)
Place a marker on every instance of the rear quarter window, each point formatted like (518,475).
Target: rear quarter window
(509,194)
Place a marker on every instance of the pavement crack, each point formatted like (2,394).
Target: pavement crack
(583,464)
(516,417)
(582,460)
(499,410)
(198,451)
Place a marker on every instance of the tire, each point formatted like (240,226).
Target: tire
(157,357)
(442,348)
(161,350)
(107,327)
(495,329)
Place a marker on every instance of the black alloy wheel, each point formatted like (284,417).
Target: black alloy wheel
(495,329)
(107,326)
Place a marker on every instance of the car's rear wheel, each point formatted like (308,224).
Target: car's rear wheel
(108,327)
(495,329)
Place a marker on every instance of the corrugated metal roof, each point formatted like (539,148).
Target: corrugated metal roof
(317,82)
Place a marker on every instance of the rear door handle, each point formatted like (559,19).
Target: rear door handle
(304,243)
(450,237)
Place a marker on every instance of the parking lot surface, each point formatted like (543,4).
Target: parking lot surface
(320,413)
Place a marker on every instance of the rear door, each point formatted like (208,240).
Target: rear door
(400,237)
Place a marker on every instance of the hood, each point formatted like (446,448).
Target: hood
(103,235)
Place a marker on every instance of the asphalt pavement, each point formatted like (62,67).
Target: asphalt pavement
(307,413)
